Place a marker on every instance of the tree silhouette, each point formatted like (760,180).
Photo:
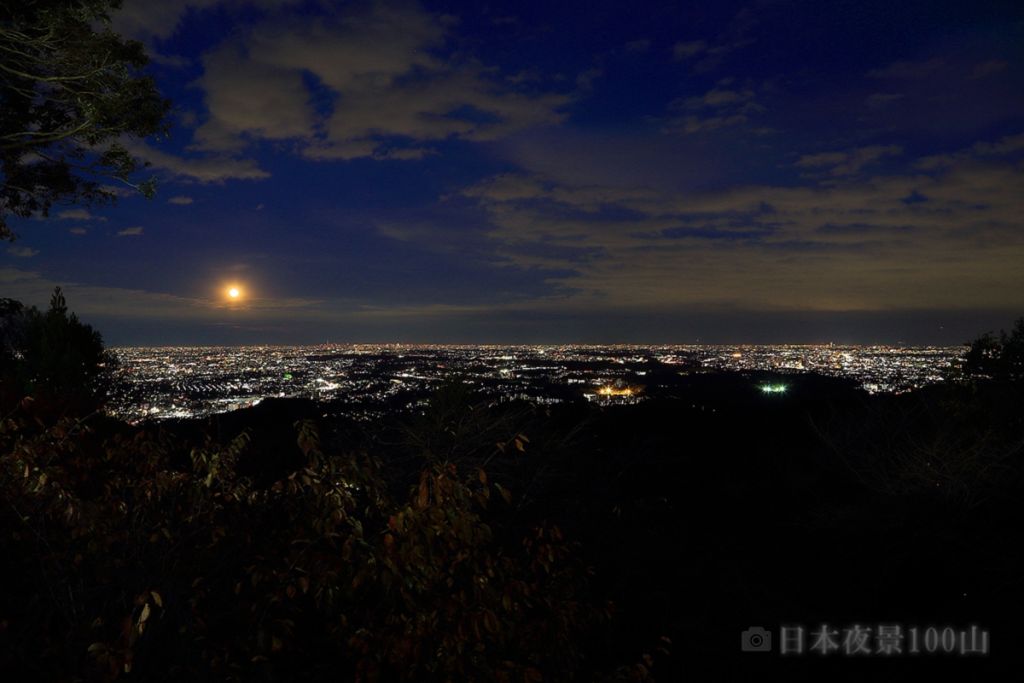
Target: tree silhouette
(70,89)
(52,352)
(1000,358)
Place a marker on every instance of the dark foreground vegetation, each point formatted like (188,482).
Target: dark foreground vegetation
(505,542)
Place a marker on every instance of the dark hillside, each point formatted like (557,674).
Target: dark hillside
(699,514)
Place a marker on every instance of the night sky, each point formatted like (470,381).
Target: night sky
(560,172)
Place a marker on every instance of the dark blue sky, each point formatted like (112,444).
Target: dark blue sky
(561,171)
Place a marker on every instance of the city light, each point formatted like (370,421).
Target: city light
(616,391)
(164,383)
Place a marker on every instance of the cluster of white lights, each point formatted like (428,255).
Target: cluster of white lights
(773,388)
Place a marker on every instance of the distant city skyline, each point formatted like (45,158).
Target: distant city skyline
(370,380)
(526,172)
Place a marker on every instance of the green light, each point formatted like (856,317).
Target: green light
(287,375)
(773,388)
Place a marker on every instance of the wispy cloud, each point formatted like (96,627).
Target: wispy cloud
(909,70)
(686,49)
(22,252)
(130,232)
(724,105)
(847,162)
(78,215)
(216,168)
(878,100)
(989,68)
(1011,145)
(180,200)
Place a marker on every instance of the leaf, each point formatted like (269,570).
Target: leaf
(490,621)
(145,614)
(423,497)
(157,599)
(504,493)
(482,476)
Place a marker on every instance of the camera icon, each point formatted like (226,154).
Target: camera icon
(756,639)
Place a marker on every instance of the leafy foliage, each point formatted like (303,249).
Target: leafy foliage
(999,358)
(139,553)
(949,444)
(70,89)
(51,353)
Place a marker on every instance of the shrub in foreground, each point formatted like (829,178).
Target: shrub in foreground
(136,555)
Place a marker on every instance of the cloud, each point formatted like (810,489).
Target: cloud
(585,79)
(202,169)
(949,238)
(405,154)
(171,61)
(78,231)
(1010,145)
(130,232)
(720,107)
(847,162)
(986,69)
(959,94)
(22,252)
(340,151)
(518,187)
(385,79)
(687,49)
(377,80)
(120,191)
(78,215)
(909,70)
(705,56)
(719,97)
(878,100)
(180,200)
(248,95)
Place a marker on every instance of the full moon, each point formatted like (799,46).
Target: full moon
(234,293)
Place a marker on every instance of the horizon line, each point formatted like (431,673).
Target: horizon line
(536,344)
